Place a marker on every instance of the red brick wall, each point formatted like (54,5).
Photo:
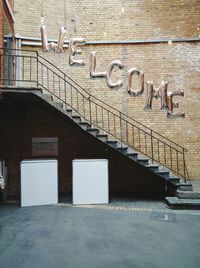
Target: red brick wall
(16,144)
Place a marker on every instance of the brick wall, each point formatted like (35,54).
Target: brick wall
(21,124)
(111,20)
(132,20)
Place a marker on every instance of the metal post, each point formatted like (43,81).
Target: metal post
(120,117)
(184,167)
(90,109)
(65,86)
(37,67)
(152,147)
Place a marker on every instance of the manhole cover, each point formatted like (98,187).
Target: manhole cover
(162,216)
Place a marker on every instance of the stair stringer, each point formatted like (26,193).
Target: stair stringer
(164,173)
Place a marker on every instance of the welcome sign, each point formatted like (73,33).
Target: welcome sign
(166,97)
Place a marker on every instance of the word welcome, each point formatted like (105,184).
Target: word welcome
(161,92)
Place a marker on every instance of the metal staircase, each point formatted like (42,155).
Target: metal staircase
(109,125)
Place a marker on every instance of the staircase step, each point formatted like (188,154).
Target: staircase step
(122,149)
(184,186)
(188,194)
(112,144)
(102,137)
(58,105)
(69,110)
(174,202)
(174,179)
(93,131)
(163,173)
(47,97)
(153,167)
(143,161)
(76,118)
(132,155)
(84,125)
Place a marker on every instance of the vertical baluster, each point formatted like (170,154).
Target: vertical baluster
(47,78)
(37,69)
(120,123)
(108,122)
(65,88)
(15,68)
(177,162)
(71,96)
(53,83)
(59,86)
(23,68)
(152,154)
(133,136)
(165,154)
(126,132)
(96,114)
(184,166)
(77,105)
(139,139)
(30,65)
(83,106)
(42,72)
(114,126)
(158,145)
(145,140)
(171,157)
(102,118)
(90,110)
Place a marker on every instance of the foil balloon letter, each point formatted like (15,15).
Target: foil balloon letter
(153,92)
(61,39)
(52,46)
(43,31)
(73,50)
(93,66)
(150,95)
(140,74)
(172,105)
(110,83)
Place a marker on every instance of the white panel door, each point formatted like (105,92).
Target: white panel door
(39,182)
(90,181)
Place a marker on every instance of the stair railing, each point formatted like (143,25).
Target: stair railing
(31,69)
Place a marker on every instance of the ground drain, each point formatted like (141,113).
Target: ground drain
(162,216)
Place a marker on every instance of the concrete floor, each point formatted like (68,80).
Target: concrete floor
(135,234)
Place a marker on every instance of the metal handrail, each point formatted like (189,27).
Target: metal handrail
(128,131)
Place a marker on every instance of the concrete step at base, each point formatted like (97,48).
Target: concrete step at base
(188,194)
(184,186)
(176,203)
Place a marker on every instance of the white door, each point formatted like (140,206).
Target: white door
(90,181)
(39,182)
